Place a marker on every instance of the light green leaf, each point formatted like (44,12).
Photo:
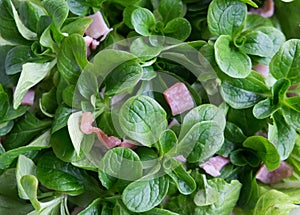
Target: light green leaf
(143,50)
(143,119)
(226,17)
(75,132)
(30,184)
(32,74)
(264,109)
(178,28)
(292,117)
(274,202)
(58,11)
(230,60)
(25,166)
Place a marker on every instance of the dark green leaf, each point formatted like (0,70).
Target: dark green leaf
(230,60)
(145,194)
(61,118)
(58,11)
(71,58)
(282,136)
(25,130)
(60,176)
(142,20)
(143,119)
(244,93)
(202,141)
(9,156)
(265,150)
(227,17)
(123,78)
(92,209)
(170,9)
(5,127)
(120,163)
(286,62)
(257,43)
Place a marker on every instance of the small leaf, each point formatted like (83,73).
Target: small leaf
(264,109)
(167,140)
(142,20)
(32,74)
(76,134)
(230,60)
(178,28)
(265,150)
(226,17)
(145,194)
(170,9)
(58,11)
(30,185)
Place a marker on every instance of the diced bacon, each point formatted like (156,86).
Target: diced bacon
(98,27)
(179,98)
(128,144)
(262,69)
(180,158)
(87,128)
(173,122)
(274,177)
(214,165)
(28,98)
(266,11)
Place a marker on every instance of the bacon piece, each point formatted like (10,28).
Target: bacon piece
(28,99)
(266,11)
(98,27)
(180,158)
(214,165)
(262,69)
(128,144)
(179,98)
(274,177)
(173,122)
(87,128)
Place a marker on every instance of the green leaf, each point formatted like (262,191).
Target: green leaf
(257,43)
(244,92)
(30,186)
(32,74)
(25,166)
(87,84)
(144,50)
(4,104)
(205,112)
(120,163)
(61,117)
(58,11)
(142,20)
(8,28)
(292,117)
(167,141)
(178,28)
(60,176)
(42,142)
(123,78)
(228,197)
(5,127)
(282,136)
(286,62)
(226,17)
(108,59)
(71,58)
(15,58)
(265,150)
(158,211)
(25,130)
(279,90)
(274,202)
(170,9)
(143,119)
(201,142)
(255,21)
(230,60)
(93,208)
(9,205)
(183,181)
(75,132)
(145,194)
(264,109)
(206,195)
(24,31)
(78,26)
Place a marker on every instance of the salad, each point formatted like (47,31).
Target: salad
(149,107)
